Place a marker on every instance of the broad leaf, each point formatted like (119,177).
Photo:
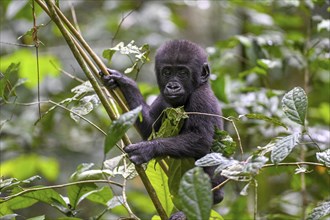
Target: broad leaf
(48,196)
(253,165)
(176,169)
(320,211)
(324,157)
(196,195)
(172,121)
(211,159)
(76,193)
(274,121)
(115,201)
(101,196)
(223,143)
(119,127)
(236,172)
(159,180)
(294,104)
(283,146)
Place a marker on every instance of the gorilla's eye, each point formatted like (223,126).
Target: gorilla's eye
(183,73)
(166,72)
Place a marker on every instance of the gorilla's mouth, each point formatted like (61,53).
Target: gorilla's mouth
(174,95)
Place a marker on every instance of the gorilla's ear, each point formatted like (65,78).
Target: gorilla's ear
(205,73)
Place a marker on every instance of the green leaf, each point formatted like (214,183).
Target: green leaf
(242,171)
(76,193)
(40,217)
(215,216)
(176,169)
(159,181)
(28,165)
(172,121)
(254,164)
(320,211)
(211,159)
(274,121)
(115,201)
(28,65)
(324,157)
(48,196)
(196,195)
(294,104)
(236,172)
(283,146)
(223,143)
(119,127)
(101,196)
(6,85)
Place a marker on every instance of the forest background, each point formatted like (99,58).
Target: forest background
(258,51)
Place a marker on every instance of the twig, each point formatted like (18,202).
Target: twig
(66,73)
(36,45)
(228,119)
(294,164)
(58,187)
(120,24)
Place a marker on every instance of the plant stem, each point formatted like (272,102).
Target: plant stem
(56,15)
(57,187)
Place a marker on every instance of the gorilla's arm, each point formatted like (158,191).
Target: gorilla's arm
(194,140)
(134,99)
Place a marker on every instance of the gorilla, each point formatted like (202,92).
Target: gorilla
(182,73)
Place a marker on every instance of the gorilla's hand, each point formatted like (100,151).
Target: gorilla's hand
(140,153)
(113,79)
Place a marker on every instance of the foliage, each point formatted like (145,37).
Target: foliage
(262,49)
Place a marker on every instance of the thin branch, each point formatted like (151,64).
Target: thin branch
(36,45)
(58,187)
(120,24)
(74,17)
(228,119)
(17,44)
(294,164)
(66,73)
(80,116)
(220,185)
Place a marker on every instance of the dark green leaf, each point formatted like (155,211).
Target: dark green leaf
(76,193)
(223,143)
(48,196)
(283,146)
(101,196)
(294,104)
(196,195)
(119,127)
(172,121)
(320,211)
(176,169)
(275,121)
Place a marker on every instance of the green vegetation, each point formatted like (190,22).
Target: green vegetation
(62,135)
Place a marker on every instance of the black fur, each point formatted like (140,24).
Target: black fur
(182,74)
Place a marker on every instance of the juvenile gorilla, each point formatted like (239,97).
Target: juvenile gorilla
(182,75)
